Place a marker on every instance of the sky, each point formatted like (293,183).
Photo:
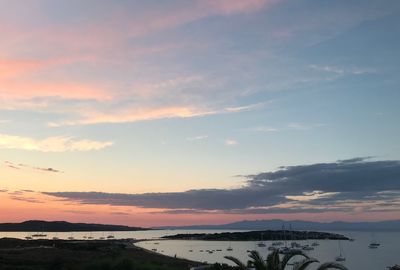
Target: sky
(177,112)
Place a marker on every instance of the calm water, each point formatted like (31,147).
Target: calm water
(140,235)
(358,255)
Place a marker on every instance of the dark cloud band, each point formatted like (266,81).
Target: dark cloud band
(314,188)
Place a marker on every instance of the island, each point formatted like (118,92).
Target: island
(62,226)
(268,235)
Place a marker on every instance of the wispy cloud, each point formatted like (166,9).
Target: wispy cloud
(343,70)
(230,142)
(264,129)
(151,112)
(301,126)
(289,126)
(26,199)
(113,60)
(197,138)
(27,196)
(50,144)
(80,212)
(246,107)
(120,213)
(21,166)
(134,114)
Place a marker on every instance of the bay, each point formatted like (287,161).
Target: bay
(358,255)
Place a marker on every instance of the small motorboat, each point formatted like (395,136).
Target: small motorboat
(307,247)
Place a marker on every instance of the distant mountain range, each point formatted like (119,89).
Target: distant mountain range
(273,224)
(276,224)
(61,226)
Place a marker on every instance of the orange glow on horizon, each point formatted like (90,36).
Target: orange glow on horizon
(15,207)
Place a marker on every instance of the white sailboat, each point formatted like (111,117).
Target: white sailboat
(315,244)
(261,243)
(340,257)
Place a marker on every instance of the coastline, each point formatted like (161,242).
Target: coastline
(84,254)
(266,235)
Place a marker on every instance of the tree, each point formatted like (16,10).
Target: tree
(274,262)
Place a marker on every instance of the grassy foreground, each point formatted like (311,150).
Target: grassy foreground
(18,254)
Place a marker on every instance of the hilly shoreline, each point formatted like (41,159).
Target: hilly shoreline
(278,224)
(62,226)
(267,235)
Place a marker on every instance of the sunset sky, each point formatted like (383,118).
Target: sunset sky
(150,113)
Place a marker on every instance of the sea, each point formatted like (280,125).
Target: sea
(358,255)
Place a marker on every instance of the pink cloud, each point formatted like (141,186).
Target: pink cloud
(135,114)
(19,91)
(50,144)
(98,44)
(229,7)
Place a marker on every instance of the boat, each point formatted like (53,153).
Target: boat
(28,237)
(71,237)
(261,243)
(295,245)
(39,235)
(315,244)
(340,257)
(307,247)
(272,248)
(56,237)
(284,250)
(374,244)
(229,248)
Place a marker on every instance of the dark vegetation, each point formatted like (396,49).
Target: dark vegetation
(18,254)
(259,235)
(61,226)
